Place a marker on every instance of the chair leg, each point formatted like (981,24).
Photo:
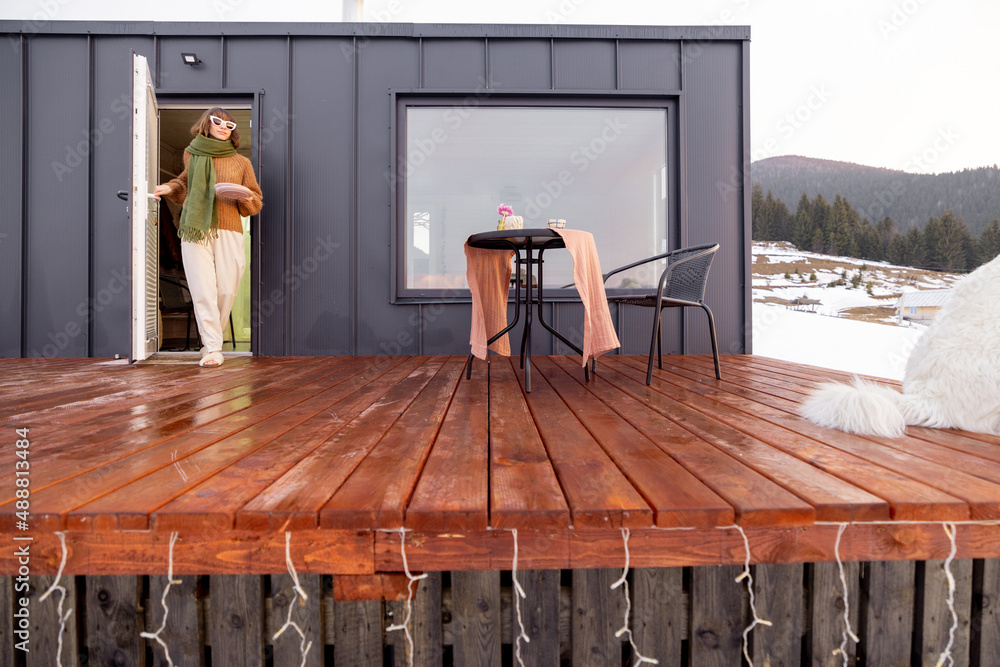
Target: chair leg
(715,344)
(659,342)
(652,345)
(468,368)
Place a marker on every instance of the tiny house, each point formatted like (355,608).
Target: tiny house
(379,148)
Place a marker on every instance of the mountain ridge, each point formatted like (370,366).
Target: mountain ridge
(910,199)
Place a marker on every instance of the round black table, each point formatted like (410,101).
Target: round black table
(527,241)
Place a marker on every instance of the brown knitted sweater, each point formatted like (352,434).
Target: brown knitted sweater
(233,169)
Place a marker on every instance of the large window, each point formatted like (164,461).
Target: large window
(601,168)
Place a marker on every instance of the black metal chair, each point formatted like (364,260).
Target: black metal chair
(175,299)
(681,284)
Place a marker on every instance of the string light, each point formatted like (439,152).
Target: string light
(623,581)
(56,587)
(518,595)
(163,601)
(297,588)
(757,620)
(842,651)
(949,530)
(405,627)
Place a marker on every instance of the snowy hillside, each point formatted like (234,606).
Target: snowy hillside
(852,327)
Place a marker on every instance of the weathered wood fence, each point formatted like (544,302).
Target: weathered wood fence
(679,616)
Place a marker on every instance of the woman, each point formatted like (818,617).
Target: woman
(210,229)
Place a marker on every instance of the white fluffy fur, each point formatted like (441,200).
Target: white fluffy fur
(952,377)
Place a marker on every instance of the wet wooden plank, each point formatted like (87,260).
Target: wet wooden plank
(293,501)
(290,647)
(717,613)
(908,498)
(81,476)
(524,490)
(597,614)
(686,501)
(237,620)
(443,500)
(128,507)
(949,494)
(214,504)
(597,492)
(756,499)
(376,492)
(182,633)
(887,596)
(476,618)
(832,498)
(114,621)
(828,634)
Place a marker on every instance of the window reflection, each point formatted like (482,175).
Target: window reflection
(603,170)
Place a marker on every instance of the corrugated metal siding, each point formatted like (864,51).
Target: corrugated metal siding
(10,197)
(262,64)
(58,194)
(381,328)
(520,64)
(322,196)
(585,64)
(454,63)
(650,65)
(714,177)
(111,268)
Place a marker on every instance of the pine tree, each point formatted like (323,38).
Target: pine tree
(821,221)
(989,242)
(758,214)
(838,236)
(801,226)
(914,244)
(896,252)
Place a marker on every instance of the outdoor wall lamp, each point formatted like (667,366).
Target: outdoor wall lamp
(190,59)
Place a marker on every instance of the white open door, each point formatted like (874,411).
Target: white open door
(145,235)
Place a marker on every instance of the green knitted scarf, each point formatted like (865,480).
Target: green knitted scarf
(200,216)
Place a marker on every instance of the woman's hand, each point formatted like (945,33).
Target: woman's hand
(164,189)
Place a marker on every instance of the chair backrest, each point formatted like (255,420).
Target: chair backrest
(687,270)
(172,294)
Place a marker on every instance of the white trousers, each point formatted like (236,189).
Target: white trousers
(214,270)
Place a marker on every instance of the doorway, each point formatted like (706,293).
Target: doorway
(178,330)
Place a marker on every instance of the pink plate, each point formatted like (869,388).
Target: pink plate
(232,190)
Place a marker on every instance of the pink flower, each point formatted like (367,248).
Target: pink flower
(505,210)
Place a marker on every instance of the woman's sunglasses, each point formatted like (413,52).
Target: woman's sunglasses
(218,122)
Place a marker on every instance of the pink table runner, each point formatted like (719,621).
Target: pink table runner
(488,275)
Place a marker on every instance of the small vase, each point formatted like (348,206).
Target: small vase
(501,225)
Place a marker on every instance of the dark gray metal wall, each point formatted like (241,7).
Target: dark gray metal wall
(324,240)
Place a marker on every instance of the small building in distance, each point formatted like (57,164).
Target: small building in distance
(921,306)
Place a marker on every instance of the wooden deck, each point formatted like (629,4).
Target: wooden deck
(343,452)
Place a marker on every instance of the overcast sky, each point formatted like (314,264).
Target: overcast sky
(903,84)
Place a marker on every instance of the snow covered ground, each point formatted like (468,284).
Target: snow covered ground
(867,348)
(825,337)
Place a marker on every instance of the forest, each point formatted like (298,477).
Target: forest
(910,199)
(944,243)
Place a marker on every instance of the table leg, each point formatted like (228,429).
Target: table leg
(541,318)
